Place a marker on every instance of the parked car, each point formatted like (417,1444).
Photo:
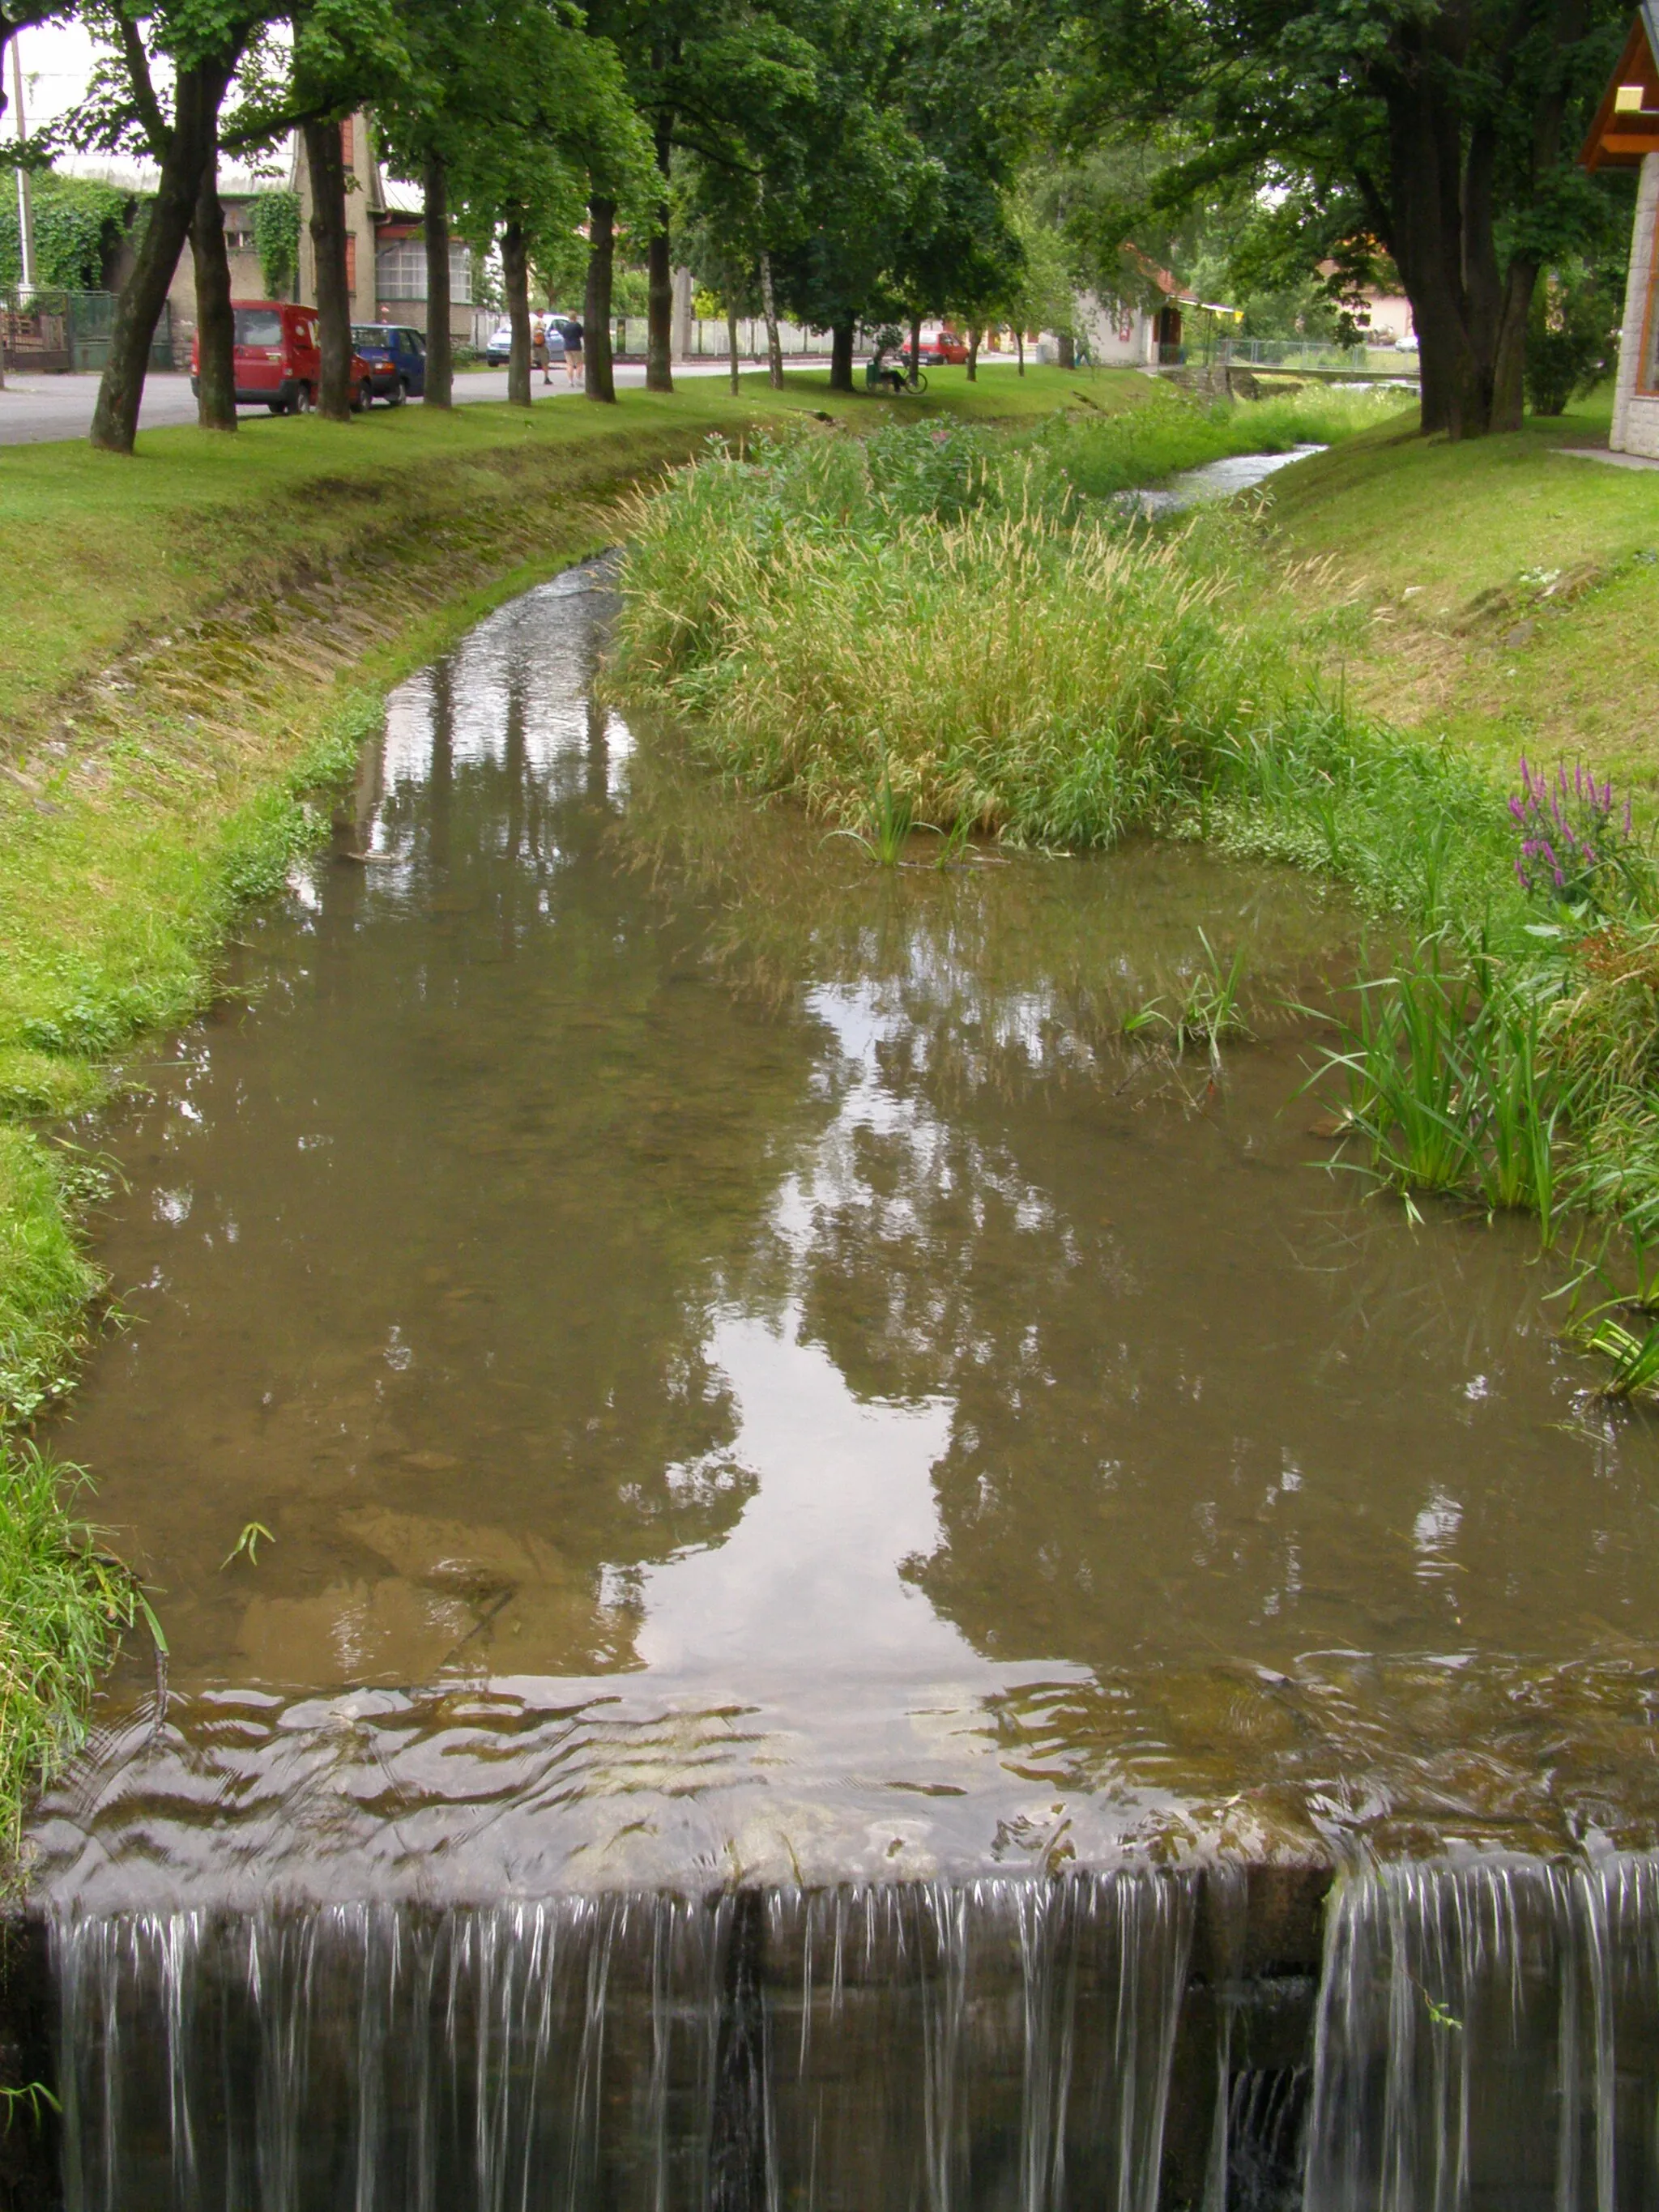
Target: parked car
(278,363)
(946,347)
(499,344)
(396,358)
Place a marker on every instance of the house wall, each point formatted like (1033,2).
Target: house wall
(1118,335)
(245,280)
(365,199)
(1386,317)
(1636,414)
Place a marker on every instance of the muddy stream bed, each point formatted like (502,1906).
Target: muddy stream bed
(757,1390)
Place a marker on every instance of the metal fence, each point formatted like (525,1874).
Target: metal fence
(54,332)
(1297,353)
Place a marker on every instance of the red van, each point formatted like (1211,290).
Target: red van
(278,363)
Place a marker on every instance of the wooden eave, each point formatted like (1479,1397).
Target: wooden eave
(1619,139)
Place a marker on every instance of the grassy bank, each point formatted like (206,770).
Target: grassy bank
(198,640)
(1508,594)
(945,630)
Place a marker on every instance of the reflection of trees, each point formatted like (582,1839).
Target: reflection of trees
(490,1159)
(1206,1405)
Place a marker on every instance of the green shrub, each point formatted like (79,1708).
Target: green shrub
(79,225)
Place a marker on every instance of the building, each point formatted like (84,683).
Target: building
(1119,333)
(1626,135)
(386,245)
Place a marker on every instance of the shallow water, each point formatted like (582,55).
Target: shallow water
(1215,480)
(747,1374)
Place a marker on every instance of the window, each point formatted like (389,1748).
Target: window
(347,140)
(259,326)
(400,271)
(351,263)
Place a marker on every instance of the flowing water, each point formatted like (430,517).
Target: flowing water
(847,1548)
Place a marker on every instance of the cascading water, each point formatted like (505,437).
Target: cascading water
(1004,2043)
(1489,2036)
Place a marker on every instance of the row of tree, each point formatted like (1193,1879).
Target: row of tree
(857,161)
(837,159)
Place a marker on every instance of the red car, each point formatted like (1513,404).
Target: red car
(278,363)
(947,346)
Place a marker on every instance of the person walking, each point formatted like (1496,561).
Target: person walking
(538,349)
(571,331)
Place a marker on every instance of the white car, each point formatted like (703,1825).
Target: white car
(500,342)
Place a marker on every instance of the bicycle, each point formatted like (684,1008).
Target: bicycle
(878,377)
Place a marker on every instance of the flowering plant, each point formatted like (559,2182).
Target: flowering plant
(1576,843)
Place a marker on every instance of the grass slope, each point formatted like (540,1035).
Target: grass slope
(1510,591)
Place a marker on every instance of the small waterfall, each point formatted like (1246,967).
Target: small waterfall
(1475,2036)
(1004,2043)
(1488,2035)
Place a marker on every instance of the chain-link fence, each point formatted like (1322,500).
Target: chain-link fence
(54,332)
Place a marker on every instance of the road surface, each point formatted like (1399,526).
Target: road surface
(34,410)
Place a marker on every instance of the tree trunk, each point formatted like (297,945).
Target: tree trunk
(515,284)
(770,310)
(325,162)
(660,279)
(598,374)
(916,349)
(1066,347)
(732,343)
(216,320)
(841,358)
(973,357)
(439,391)
(196,94)
(1019,349)
(1510,359)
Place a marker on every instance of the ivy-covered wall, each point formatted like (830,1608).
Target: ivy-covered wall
(78,226)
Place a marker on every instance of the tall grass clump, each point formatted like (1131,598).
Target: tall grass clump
(45,1278)
(957,617)
(62,1607)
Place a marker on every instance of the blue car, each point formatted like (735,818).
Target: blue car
(396,358)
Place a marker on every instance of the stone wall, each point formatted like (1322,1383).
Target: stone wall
(1636,414)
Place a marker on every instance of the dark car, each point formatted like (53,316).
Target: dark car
(396,358)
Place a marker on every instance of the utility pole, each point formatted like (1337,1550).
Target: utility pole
(25,190)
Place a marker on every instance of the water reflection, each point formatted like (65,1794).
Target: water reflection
(746,1367)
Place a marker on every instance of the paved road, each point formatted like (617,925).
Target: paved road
(34,410)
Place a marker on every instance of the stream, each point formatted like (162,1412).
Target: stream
(848,1550)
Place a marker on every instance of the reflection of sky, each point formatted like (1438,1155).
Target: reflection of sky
(809,1578)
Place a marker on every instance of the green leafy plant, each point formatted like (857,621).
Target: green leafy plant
(889,819)
(247,1546)
(277,240)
